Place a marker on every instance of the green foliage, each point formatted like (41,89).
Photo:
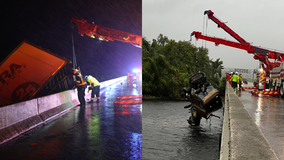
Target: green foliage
(167,65)
(222,86)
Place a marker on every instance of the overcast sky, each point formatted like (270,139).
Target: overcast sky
(260,22)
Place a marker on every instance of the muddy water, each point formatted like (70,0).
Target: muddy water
(167,135)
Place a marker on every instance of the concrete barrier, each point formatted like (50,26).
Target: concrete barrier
(225,139)
(241,138)
(112,81)
(18,118)
(50,107)
(104,86)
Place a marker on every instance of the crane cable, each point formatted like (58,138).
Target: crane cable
(206,27)
(74,55)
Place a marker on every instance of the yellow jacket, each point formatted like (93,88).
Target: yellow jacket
(93,81)
(235,78)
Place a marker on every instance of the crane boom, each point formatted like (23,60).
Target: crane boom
(106,33)
(259,53)
(211,16)
(272,69)
(217,41)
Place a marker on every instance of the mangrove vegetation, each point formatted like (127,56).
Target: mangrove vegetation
(167,65)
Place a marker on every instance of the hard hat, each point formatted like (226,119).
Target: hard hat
(240,73)
(75,71)
(86,76)
(233,72)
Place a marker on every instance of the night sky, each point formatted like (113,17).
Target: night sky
(46,23)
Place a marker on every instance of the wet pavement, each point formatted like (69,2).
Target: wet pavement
(98,131)
(167,134)
(268,114)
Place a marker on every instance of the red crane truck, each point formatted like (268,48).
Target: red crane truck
(272,69)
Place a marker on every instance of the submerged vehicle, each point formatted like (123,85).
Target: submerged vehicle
(204,98)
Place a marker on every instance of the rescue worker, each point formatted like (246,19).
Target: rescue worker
(237,73)
(131,76)
(240,81)
(94,86)
(235,80)
(128,74)
(228,78)
(231,74)
(80,85)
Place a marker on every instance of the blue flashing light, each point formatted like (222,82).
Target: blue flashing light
(136,70)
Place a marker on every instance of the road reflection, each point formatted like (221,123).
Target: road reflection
(268,114)
(97,131)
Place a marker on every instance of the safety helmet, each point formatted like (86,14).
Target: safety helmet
(240,73)
(75,71)
(233,72)
(86,76)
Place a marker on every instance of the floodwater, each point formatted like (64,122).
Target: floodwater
(268,114)
(98,131)
(167,134)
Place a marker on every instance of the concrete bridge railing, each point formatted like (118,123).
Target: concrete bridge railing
(241,137)
(16,119)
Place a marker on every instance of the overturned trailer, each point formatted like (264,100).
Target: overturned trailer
(30,71)
(204,98)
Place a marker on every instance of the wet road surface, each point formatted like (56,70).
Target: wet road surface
(98,131)
(167,134)
(268,114)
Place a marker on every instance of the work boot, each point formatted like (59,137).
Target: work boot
(98,100)
(91,101)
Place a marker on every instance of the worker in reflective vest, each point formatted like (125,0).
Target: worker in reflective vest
(130,79)
(80,85)
(240,81)
(235,80)
(128,74)
(94,86)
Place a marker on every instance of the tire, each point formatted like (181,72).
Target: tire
(197,120)
(194,121)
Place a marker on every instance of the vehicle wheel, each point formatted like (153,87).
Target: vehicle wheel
(197,120)
(194,121)
(281,91)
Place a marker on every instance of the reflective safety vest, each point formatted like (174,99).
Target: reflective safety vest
(235,78)
(241,78)
(79,80)
(93,81)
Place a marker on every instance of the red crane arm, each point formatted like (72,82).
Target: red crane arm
(106,33)
(225,27)
(217,41)
(259,53)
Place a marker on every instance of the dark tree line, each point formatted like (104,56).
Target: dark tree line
(167,65)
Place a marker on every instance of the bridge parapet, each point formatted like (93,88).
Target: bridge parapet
(241,137)
(18,118)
